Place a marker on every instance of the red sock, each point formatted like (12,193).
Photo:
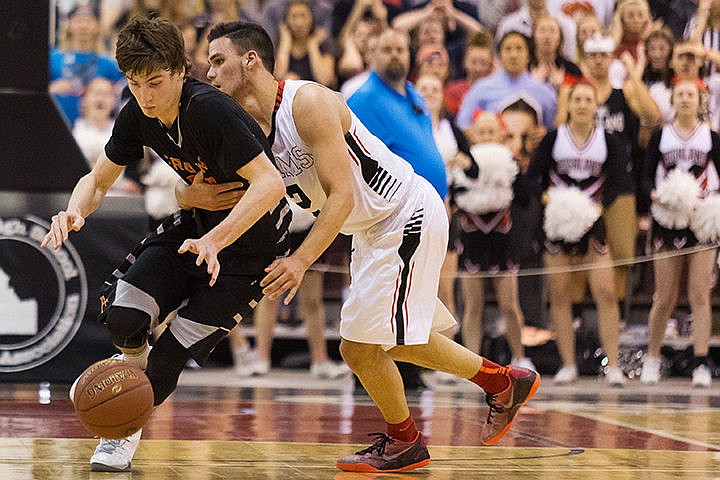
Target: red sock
(491,377)
(404,431)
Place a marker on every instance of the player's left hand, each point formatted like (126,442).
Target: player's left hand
(283,274)
(207,252)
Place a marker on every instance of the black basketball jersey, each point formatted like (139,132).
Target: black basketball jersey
(214,134)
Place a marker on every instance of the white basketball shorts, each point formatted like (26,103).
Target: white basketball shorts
(395,270)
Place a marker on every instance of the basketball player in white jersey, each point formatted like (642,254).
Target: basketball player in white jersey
(333,167)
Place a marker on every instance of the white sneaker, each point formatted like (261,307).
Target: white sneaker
(523,362)
(445,378)
(243,357)
(615,377)
(566,375)
(115,455)
(701,377)
(329,370)
(255,368)
(651,371)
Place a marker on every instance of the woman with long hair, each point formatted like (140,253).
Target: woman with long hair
(687,144)
(302,51)
(580,157)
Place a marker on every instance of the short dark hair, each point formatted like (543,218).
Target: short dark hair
(146,45)
(528,41)
(246,36)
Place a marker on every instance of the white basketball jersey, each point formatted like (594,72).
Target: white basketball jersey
(691,154)
(381,179)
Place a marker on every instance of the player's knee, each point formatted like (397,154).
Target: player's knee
(128,327)
(357,355)
(166,362)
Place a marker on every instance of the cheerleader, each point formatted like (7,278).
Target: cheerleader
(584,161)
(483,196)
(686,145)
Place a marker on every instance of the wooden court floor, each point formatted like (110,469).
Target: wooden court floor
(289,427)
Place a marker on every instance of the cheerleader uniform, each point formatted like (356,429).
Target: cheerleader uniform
(482,241)
(698,154)
(597,168)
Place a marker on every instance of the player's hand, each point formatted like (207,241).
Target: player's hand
(61,225)
(208,196)
(283,274)
(207,251)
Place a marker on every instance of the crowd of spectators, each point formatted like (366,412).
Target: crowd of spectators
(498,72)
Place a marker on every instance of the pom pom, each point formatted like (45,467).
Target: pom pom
(160,190)
(705,219)
(569,214)
(675,199)
(492,190)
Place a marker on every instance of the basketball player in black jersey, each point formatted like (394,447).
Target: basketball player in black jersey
(204,136)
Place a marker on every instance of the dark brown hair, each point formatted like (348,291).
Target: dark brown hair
(247,36)
(146,45)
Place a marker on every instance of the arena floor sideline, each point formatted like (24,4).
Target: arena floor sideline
(290,426)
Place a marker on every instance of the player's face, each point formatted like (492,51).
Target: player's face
(226,67)
(157,93)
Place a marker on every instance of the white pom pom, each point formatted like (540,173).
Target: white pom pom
(492,190)
(159,196)
(569,214)
(705,219)
(676,197)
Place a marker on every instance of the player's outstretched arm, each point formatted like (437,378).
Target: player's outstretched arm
(316,105)
(265,190)
(85,199)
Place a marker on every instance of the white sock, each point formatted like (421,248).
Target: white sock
(139,357)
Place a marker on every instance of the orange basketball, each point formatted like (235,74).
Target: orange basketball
(112,398)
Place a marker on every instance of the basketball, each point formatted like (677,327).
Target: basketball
(112,398)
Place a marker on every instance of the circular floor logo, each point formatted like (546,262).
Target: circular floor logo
(43,295)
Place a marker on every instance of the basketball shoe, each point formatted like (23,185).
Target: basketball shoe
(387,455)
(115,455)
(505,405)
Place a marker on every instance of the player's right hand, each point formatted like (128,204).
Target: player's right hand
(208,196)
(61,225)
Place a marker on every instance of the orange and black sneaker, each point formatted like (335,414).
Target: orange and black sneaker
(505,405)
(387,455)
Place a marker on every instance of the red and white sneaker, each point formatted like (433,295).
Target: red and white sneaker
(505,405)
(387,455)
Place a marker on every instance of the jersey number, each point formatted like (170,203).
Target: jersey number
(300,198)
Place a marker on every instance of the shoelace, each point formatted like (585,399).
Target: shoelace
(382,439)
(494,408)
(109,445)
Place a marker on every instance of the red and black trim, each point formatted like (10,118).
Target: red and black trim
(278,101)
(378,179)
(403,282)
